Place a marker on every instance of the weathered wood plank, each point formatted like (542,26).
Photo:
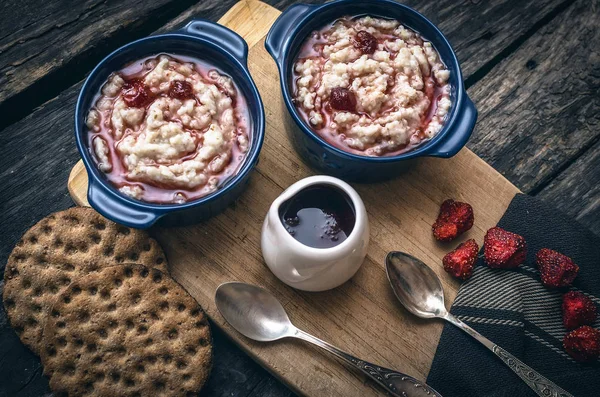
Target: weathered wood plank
(48,175)
(576,191)
(47,46)
(540,107)
(480,30)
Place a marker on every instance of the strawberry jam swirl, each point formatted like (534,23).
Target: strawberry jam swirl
(168,129)
(371,86)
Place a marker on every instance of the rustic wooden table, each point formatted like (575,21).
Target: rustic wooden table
(532,68)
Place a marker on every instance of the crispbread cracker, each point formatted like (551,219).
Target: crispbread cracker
(126,330)
(60,246)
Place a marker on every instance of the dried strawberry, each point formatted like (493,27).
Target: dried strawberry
(459,262)
(365,42)
(445,231)
(454,218)
(583,344)
(556,269)
(578,310)
(342,99)
(503,249)
(181,89)
(136,94)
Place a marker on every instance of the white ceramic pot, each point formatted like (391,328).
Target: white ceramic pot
(308,268)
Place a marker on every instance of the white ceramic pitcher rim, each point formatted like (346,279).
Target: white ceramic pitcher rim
(320,253)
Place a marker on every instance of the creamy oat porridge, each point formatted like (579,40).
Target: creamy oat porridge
(371,86)
(168,129)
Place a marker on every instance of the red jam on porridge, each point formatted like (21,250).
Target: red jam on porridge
(371,86)
(168,129)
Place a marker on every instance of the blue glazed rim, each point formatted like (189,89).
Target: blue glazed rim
(139,214)
(463,113)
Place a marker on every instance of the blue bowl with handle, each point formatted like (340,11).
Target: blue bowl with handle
(207,41)
(283,42)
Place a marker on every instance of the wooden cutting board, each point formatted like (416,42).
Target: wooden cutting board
(362,316)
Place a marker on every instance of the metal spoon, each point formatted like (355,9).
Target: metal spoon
(419,289)
(257,314)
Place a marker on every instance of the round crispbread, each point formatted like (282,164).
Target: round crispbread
(58,248)
(126,330)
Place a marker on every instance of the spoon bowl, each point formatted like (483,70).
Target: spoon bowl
(253,311)
(415,285)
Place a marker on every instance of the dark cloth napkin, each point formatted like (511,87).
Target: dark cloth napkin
(514,310)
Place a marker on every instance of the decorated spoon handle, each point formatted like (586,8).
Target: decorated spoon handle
(396,383)
(541,385)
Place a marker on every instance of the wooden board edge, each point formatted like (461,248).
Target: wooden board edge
(78,184)
(256,11)
(261,14)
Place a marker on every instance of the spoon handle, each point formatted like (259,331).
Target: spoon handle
(396,383)
(541,385)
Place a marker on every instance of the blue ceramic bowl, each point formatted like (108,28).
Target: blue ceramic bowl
(201,39)
(283,43)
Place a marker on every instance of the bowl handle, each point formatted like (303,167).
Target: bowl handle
(219,35)
(460,134)
(103,201)
(279,32)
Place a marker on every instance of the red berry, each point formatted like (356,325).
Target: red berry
(445,231)
(454,219)
(181,89)
(556,269)
(365,42)
(583,344)
(136,94)
(503,249)
(578,310)
(459,262)
(342,99)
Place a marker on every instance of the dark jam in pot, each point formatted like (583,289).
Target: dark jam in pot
(319,216)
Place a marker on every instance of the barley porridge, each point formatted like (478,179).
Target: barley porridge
(371,86)
(168,129)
